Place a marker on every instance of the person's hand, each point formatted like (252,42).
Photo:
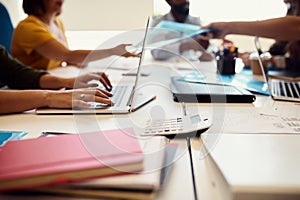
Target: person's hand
(202,41)
(120,50)
(222,29)
(189,45)
(226,42)
(206,56)
(77,98)
(82,81)
(196,44)
(245,58)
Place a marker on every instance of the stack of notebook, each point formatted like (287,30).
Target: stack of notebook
(138,186)
(110,164)
(32,163)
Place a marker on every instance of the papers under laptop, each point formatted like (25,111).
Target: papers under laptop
(122,98)
(280,88)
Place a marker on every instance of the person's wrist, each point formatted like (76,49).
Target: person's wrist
(113,51)
(53,82)
(48,97)
(67,82)
(231,28)
(55,99)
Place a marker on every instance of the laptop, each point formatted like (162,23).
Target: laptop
(122,98)
(280,88)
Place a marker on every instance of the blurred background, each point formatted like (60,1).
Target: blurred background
(131,14)
(94,15)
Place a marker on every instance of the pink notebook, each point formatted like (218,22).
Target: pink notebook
(61,159)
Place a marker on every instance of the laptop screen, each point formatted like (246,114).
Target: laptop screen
(279,88)
(142,54)
(259,52)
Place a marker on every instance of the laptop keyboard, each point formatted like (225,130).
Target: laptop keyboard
(286,88)
(118,94)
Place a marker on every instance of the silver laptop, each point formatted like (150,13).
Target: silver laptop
(279,88)
(122,98)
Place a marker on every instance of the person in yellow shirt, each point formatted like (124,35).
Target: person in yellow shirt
(39,40)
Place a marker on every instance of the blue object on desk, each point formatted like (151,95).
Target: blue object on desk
(193,77)
(180,27)
(243,79)
(246,80)
(5,136)
(190,30)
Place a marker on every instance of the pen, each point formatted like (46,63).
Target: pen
(45,133)
(134,74)
(143,104)
(184,109)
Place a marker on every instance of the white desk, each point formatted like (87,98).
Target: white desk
(179,185)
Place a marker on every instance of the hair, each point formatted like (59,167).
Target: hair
(34,7)
(294,8)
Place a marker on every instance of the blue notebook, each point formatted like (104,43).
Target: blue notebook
(180,27)
(243,79)
(188,30)
(5,136)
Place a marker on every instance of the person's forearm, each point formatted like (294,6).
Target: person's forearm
(284,28)
(83,57)
(56,51)
(15,101)
(49,81)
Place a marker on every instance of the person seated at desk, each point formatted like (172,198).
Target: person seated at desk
(39,40)
(179,12)
(15,75)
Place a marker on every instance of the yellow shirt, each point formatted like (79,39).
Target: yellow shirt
(29,34)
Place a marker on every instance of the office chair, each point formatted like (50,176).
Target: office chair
(6,28)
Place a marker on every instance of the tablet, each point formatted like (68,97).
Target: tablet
(184,91)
